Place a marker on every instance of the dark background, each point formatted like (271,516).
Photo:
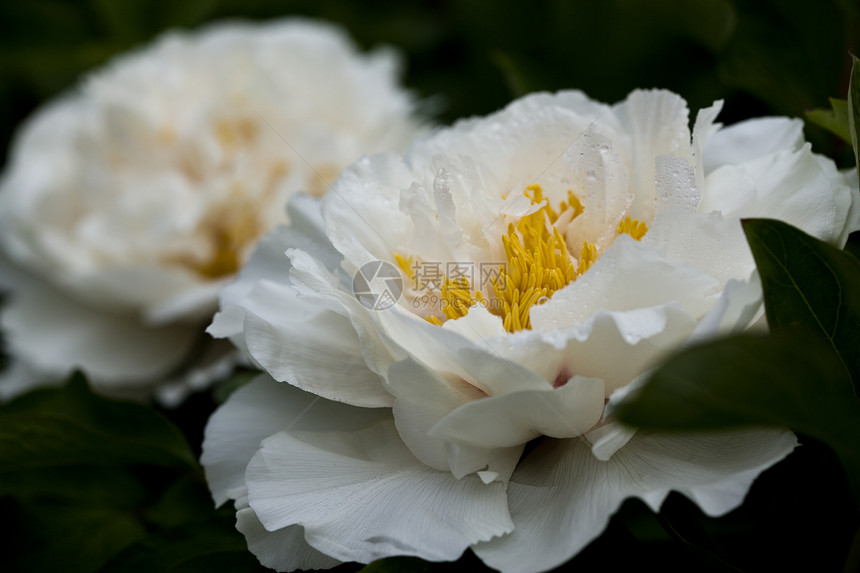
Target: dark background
(471,57)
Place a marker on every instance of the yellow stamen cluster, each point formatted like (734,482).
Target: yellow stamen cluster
(534,270)
(537,265)
(457,298)
(632,227)
(230,230)
(405,264)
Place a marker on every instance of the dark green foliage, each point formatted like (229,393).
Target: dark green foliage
(92,484)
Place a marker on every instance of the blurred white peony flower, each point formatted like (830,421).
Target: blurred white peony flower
(130,201)
(549,255)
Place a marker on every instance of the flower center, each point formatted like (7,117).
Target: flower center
(234,221)
(230,229)
(537,265)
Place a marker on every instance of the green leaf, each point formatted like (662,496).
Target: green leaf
(809,284)
(102,485)
(72,426)
(185,500)
(213,545)
(804,377)
(834,120)
(52,535)
(85,478)
(791,380)
(854,109)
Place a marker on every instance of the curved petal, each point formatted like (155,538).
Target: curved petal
(752,139)
(738,308)
(322,288)
(517,417)
(317,351)
(360,212)
(424,397)
(798,187)
(607,439)
(252,413)
(561,496)
(270,547)
(629,275)
(657,124)
(706,241)
(592,348)
(313,346)
(478,360)
(56,334)
(18,377)
(379,502)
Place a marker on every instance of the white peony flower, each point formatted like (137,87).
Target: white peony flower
(131,200)
(550,254)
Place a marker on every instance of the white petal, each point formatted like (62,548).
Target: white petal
(228,324)
(480,363)
(592,348)
(362,496)
(628,276)
(703,129)
(611,437)
(282,550)
(739,306)
(707,241)
(657,123)
(322,288)
(477,326)
(305,343)
(752,139)
(515,418)
(361,215)
(159,292)
(18,377)
(317,351)
(268,261)
(195,303)
(561,496)
(423,398)
(56,334)
(489,464)
(675,180)
(798,187)
(255,411)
